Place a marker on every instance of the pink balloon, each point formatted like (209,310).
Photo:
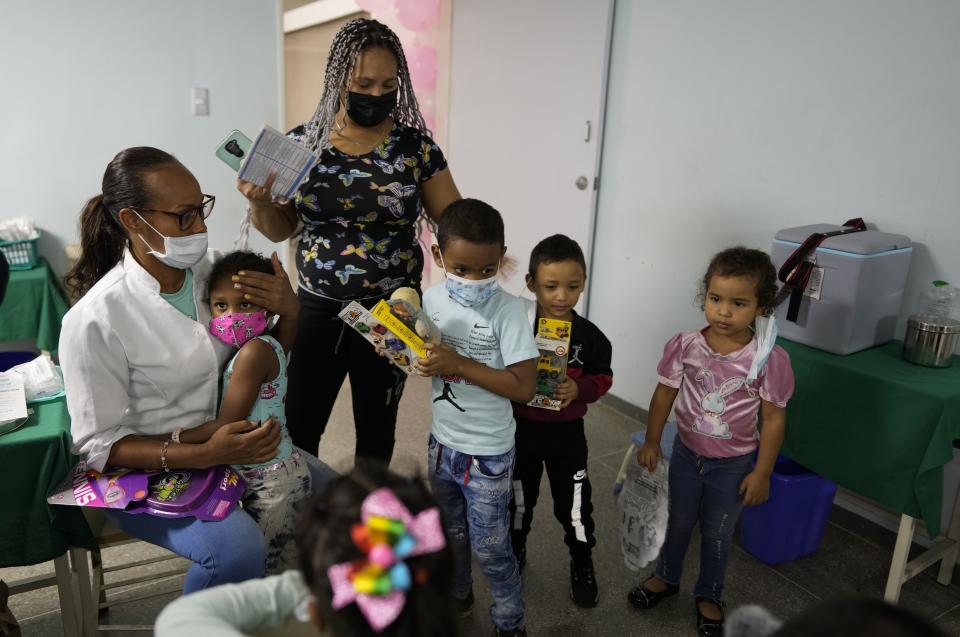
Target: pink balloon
(417,15)
(375,6)
(422,62)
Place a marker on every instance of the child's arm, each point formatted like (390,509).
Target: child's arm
(518,382)
(660,405)
(255,364)
(756,486)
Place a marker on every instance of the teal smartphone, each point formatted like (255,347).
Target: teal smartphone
(233,149)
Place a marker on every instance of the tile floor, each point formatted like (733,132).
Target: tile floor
(853,556)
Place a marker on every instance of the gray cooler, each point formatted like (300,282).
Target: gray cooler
(853,296)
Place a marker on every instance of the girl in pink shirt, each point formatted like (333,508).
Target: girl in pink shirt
(718,380)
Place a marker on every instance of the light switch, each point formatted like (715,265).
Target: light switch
(200,101)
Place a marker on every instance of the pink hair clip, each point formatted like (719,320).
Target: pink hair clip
(388,534)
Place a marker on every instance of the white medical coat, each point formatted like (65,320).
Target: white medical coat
(133,364)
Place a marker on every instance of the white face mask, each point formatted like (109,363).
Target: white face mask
(178,252)
(468,292)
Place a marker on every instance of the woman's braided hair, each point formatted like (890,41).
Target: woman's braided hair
(353,38)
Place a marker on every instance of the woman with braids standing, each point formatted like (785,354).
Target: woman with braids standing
(140,366)
(357,216)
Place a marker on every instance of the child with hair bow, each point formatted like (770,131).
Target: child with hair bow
(374,561)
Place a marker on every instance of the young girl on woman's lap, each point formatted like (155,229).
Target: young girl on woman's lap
(255,389)
(722,377)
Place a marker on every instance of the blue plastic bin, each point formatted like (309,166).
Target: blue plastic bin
(790,524)
(12,359)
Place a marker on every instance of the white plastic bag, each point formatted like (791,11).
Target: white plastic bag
(41,378)
(643,503)
(17,229)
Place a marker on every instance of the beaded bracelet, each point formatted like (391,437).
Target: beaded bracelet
(163,456)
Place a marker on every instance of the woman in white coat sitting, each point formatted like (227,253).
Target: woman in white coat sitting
(139,364)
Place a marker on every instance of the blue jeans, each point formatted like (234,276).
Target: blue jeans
(229,551)
(704,490)
(474,494)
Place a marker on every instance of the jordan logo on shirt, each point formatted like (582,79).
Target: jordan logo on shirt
(575,355)
(448,396)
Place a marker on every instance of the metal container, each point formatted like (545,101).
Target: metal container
(931,340)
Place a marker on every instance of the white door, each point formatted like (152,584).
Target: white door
(527,84)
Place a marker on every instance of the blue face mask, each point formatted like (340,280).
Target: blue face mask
(467,292)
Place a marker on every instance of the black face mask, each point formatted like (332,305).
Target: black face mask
(370,110)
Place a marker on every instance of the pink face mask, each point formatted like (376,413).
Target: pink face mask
(235,329)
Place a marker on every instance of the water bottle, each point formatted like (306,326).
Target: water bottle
(941,300)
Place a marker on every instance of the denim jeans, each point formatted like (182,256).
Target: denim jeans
(229,551)
(704,490)
(274,498)
(474,494)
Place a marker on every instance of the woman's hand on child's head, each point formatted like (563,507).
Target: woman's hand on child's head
(755,489)
(270,291)
(648,456)
(440,361)
(566,392)
(243,442)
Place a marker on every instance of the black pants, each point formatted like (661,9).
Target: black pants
(562,448)
(326,351)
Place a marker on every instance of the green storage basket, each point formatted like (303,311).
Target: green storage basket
(21,255)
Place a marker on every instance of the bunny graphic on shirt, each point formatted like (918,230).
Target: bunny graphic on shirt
(714,403)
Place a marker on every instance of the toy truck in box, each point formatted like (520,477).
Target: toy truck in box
(386,332)
(553,341)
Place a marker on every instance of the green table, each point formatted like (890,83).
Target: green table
(882,428)
(33,460)
(875,424)
(33,307)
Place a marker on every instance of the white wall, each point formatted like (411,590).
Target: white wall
(83,80)
(727,121)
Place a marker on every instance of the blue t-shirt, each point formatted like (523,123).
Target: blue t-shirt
(467,418)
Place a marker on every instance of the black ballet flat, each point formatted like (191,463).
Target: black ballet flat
(707,627)
(644,599)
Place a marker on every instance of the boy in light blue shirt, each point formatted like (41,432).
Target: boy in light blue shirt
(486,359)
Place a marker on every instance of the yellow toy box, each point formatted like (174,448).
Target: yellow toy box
(553,341)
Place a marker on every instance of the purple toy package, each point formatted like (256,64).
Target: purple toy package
(206,494)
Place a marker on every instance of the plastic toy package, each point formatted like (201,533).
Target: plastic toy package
(398,327)
(553,341)
(206,494)
(643,502)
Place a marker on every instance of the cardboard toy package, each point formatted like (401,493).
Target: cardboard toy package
(553,341)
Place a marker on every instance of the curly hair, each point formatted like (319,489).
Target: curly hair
(741,261)
(325,539)
(233,262)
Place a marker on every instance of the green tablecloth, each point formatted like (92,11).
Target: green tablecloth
(33,307)
(33,460)
(875,424)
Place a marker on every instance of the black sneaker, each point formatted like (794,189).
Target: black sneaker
(642,597)
(464,607)
(583,583)
(519,632)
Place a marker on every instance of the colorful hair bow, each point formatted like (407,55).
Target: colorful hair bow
(387,534)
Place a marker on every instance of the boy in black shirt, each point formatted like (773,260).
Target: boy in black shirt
(556,439)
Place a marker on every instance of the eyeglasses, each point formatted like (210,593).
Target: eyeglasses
(188,217)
